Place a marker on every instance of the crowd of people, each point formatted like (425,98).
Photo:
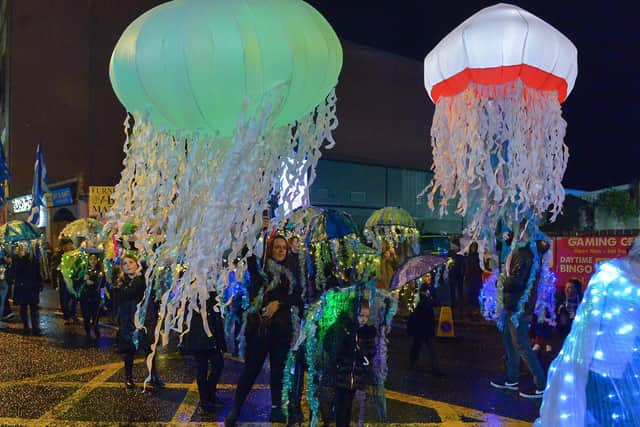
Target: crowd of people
(261,316)
(261,330)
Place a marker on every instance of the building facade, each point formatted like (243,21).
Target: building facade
(55,91)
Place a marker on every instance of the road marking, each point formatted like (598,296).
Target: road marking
(112,384)
(26,422)
(188,406)
(454,413)
(49,377)
(61,408)
(451,415)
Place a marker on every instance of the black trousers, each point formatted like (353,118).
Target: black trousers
(344,403)
(275,344)
(6,310)
(210,365)
(457,293)
(68,302)
(90,314)
(128,365)
(298,383)
(414,355)
(33,314)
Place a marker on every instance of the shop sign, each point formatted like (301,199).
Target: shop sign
(100,200)
(21,204)
(61,197)
(577,257)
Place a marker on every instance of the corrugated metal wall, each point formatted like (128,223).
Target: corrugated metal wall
(360,189)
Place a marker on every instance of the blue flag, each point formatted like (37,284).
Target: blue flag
(4,175)
(40,187)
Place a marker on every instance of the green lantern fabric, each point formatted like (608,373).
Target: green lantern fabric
(390,216)
(18,231)
(192,63)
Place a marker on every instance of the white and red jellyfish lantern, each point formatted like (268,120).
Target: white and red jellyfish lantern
(498,81)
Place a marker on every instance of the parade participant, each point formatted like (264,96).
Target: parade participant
(522,277)
(295,415)
(354,348)
(389,261)
(268,326)
(90,296)
(455,266)
(472,281)
(568,308)
(421,326)
(235,294)
(28,284)
(208,352)
(68,302)
(4,283)
(130,288)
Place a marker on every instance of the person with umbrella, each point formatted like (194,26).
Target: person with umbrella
(422,325)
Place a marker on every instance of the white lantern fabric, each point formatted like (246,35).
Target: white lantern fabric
(497,45)
(497,134)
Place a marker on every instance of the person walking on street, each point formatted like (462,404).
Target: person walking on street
(455,270)
(9,276)
(515,334)
(28,284)
(130,288)
(68,302)
(421,326)
(353,346)
(208,352)
(4,284)
(472,281)
(268,326)
(90,296)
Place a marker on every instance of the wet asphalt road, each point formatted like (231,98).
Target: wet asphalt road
(61,379)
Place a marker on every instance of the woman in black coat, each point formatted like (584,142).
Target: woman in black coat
(269,326)
(472,279)
(28,284)
(130,288)
(90,296)
(422,326)
(208,352)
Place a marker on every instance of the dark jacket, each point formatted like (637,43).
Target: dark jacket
(472,272)
(130,293)
(28,282)
(91,292)
(197,341)
(456,267)
(518,276)
(422,321)
(354,358)
(280,323)
(56,276)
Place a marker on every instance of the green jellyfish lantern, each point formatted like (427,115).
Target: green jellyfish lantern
(221,93)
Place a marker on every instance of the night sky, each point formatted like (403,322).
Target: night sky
(602,111)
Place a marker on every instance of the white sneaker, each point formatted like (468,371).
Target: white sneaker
(548,348)
(536,347)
